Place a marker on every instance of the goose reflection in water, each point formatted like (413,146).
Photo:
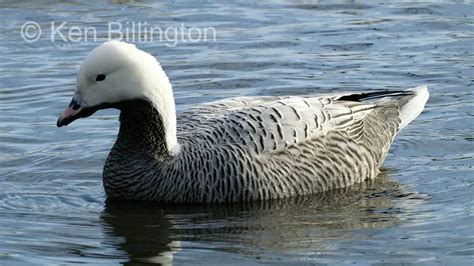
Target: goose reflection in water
(300,226)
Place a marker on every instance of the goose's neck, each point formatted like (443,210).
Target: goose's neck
(143,131)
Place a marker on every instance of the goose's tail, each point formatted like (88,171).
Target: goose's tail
(411,101)
(412,105)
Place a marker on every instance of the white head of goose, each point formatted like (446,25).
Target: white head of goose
(118,75)
(239,149)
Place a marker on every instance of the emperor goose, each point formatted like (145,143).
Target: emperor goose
(238,149)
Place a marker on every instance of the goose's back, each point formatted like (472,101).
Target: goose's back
(253,148)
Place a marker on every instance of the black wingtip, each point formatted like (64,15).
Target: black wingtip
(360,97)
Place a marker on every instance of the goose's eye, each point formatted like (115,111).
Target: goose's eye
(100,77)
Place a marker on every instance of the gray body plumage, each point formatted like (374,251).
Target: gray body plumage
(253,148)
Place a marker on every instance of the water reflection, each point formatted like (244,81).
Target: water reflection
(152,232)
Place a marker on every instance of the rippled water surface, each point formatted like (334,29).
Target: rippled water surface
(52,204)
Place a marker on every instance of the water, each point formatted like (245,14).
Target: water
(52,204)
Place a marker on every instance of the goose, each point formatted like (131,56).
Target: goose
(233,150)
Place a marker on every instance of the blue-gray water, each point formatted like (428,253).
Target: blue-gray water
(52,204)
